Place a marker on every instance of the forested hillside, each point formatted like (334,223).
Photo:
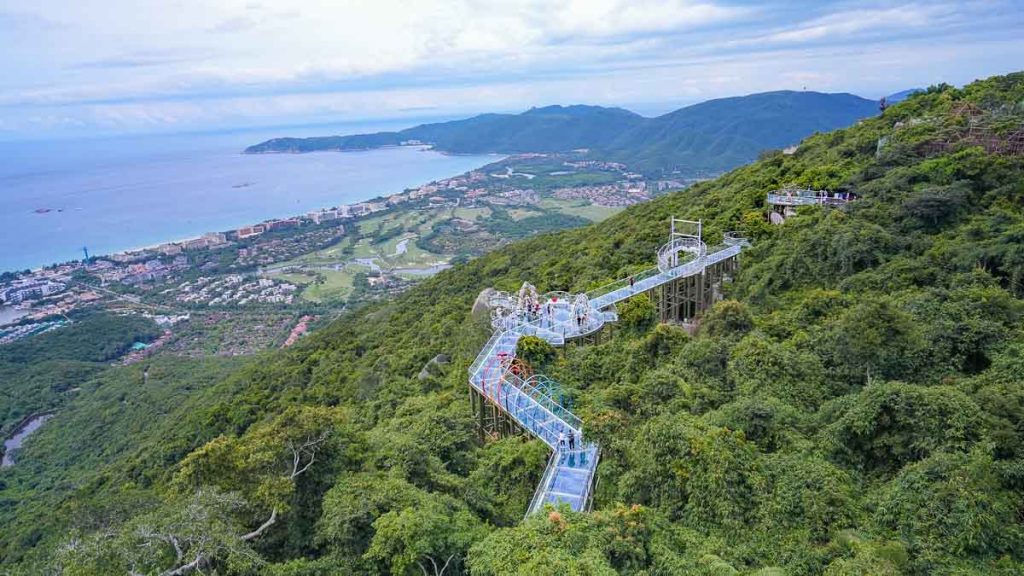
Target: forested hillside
(855,406)
(709,137)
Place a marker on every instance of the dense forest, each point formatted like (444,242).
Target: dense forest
(39,373)
(855,406)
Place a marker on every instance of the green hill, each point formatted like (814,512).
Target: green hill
(709,137)
(854,407)
(721,134)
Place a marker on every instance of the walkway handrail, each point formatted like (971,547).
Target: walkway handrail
(562,412)
(621,283)
(591,474)
(804,200)
(546,432)
(573,422)
(545,481)
(485,352)
(669,252)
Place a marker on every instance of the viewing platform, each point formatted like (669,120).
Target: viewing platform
(783,203)
(508,399)
(807,197)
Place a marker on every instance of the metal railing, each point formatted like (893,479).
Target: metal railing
(668,254)
(588,496)
(622,283)
(516,403)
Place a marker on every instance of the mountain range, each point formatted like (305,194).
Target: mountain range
(712,136)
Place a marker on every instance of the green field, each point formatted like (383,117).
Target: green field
(336,285)
(581,208)
(471,213)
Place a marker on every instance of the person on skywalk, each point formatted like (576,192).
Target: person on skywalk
(572,441)
(561,440)
(631,281)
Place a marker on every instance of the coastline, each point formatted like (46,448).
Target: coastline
(377,179)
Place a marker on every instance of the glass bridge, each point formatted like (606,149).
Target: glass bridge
(531,400)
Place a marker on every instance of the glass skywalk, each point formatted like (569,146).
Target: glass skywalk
(557,317)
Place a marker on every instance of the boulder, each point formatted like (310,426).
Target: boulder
(431,365)
(482,304)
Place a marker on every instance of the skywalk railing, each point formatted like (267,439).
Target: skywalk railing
(719,253)
(588,495)
(522,407)
(561,329)
(519,404)
(668,255)
(571,421)
(485,352)
(622,283)
(805,200)
(554,406)
(545,482)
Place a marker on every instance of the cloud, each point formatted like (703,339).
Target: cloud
(852,22)
(133,61)
(195,63)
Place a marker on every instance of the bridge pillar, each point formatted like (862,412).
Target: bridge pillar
(492,421)
(684,299)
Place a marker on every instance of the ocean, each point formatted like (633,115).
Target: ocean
(116,194)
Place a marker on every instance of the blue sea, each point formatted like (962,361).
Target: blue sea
(121,193)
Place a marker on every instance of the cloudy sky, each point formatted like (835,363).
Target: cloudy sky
(74,67)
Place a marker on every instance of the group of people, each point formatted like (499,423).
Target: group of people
(581,320)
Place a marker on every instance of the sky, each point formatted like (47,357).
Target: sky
(70,68)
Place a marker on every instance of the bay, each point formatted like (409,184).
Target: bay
(121,193)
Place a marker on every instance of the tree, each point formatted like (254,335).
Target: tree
(727,318)
(535,351)
(889,425)
(691,470)
(432,535)
(763,366)
(184,536)
(263,464)
(354,503)
(952,504)
(637,313)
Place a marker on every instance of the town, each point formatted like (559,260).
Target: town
(290,262)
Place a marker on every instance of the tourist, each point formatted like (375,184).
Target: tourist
(631,281)
(561,441)
(572,441)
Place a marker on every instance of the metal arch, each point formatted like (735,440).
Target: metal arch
(581,305)
(528,300)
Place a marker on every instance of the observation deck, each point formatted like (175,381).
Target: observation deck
(532,402)
(807,197)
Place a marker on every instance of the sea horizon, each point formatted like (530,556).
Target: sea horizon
(115,194)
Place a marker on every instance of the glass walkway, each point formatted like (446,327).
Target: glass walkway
(557,317)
